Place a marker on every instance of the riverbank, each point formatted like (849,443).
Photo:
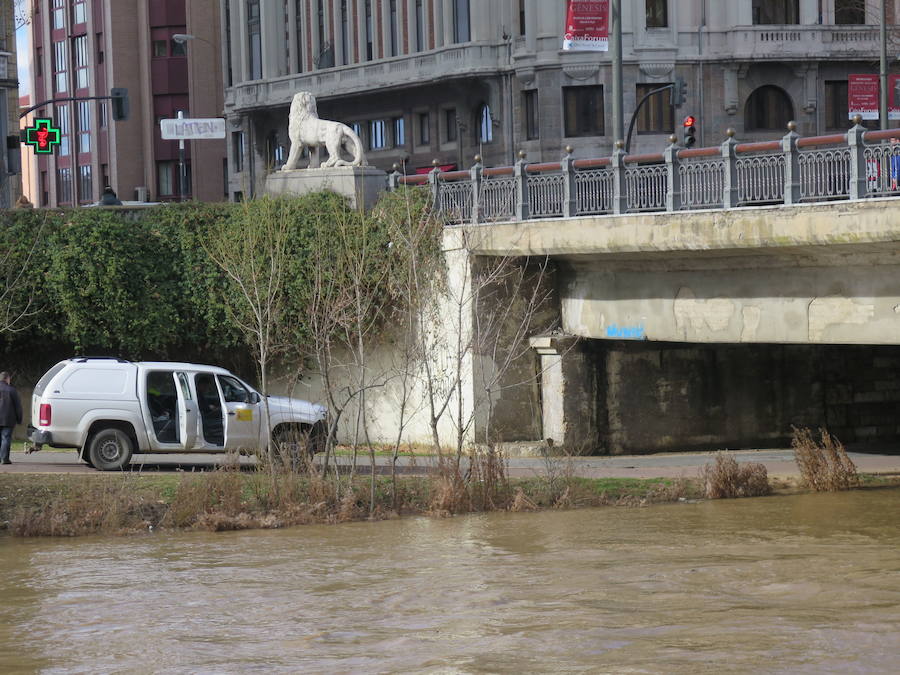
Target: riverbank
(229,499)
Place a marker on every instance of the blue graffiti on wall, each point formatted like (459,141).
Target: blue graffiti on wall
(625,332)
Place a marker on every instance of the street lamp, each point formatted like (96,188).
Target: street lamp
(183,38)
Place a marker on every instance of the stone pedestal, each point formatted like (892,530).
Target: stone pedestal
(361,185)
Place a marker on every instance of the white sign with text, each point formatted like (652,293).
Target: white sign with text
(188,129)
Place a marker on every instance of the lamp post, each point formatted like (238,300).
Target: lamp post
(883,99)
(182,39)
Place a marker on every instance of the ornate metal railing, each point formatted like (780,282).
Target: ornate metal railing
(855,165)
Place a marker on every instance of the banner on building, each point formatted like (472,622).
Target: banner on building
(587,26)
(862,96)
(894,97)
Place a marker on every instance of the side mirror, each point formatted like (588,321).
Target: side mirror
(254,397)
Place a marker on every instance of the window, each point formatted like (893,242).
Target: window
(39,62)
(79,46)
(229,72)
(377,129)
(237,150)
(522,22)
(461,31)
(103,115)
(450,125)
(85,184)
(836,108)
(45,189)
(766,12)
(531,114)
(485,124)
(345,34)
(179,48)
(420,26)
(64,186)
(255,39)
(657,13)
(424,120)
(657,115)
(849,12)
(99,48)
(78,12)
(399,132)
(165,177)
(768,109)
(62,117)
(59,14)
(60,67)
(583,111)
(394,37)
(160,49)
(84,126)
(233,391)
(370,31)
(357,129)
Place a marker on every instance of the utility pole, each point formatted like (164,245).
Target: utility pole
(615,15)
(883,99)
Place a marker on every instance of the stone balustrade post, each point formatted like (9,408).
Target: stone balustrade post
(673,175)
(523,201)
(570,195)
(791,165)
(620,190)
(394,178)
(475,174)
(730,192)
(859,186)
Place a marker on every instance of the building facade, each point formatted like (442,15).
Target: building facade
(10,182)
(83,48)
(444,80)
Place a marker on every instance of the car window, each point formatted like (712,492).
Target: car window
(185,387)
(233,391)
(45,380)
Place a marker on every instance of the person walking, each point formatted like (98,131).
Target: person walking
(10,414)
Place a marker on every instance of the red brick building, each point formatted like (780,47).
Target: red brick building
(84,48)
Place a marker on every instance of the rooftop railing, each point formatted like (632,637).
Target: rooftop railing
(793,170)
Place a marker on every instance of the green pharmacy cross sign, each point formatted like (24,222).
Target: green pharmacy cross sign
(43,136)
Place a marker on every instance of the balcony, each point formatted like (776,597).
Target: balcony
(455,61)
(778,43)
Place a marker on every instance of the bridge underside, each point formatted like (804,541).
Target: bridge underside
(718,329)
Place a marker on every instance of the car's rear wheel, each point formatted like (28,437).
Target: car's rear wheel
(110,450)
(297,444)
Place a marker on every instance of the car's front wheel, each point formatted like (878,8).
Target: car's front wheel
(110,449)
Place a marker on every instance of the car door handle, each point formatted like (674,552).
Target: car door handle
(232,414)
(187,410)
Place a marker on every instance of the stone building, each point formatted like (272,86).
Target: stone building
(448,79)
(86,47)
(10,182)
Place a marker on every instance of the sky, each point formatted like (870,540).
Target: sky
(22,61)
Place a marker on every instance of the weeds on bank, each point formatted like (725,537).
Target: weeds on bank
(726,479)
(824,466)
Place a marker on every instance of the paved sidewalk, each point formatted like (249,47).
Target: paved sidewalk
(779,463)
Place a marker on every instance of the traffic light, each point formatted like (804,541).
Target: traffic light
(120,108)
(690,130)
(678,92)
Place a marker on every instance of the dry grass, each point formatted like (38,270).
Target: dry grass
(824,466)
(726,479)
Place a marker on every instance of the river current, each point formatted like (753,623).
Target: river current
(805,583)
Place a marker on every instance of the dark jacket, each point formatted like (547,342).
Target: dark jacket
(110,199)
(10,406)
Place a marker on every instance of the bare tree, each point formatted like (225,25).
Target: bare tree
(251,249)
(19,284)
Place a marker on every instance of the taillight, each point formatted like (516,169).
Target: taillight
(44,414)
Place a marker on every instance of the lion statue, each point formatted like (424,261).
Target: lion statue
(305,129)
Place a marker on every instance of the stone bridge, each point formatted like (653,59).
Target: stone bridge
(710,328)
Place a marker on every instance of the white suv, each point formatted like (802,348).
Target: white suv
(109,408)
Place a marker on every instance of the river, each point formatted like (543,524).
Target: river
(806,583)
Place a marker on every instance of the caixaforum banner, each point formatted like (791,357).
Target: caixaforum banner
(587,26)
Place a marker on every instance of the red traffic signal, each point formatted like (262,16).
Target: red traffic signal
(689,121)
(690,130)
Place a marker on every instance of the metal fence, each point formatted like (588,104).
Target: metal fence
(792,170)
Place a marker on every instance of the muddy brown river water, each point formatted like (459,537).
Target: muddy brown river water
(802,584)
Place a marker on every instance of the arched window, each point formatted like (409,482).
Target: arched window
(768,109)
(485,124)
